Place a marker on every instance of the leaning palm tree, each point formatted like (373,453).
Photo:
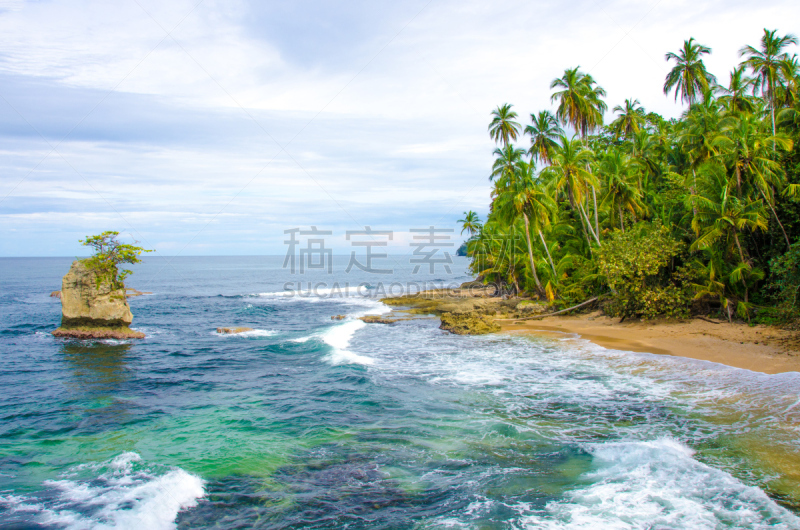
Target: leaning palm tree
(746,148)
(544,131)
(722,218)
(522,197)
(569,173)
(689,77)
(470,223)
(503,128)
(765,64)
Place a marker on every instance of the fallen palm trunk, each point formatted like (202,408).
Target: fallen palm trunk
(537,317)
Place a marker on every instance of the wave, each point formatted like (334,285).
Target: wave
(120,493)
(338,338)
(658,484)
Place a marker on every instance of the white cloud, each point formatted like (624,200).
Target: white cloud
(386,107)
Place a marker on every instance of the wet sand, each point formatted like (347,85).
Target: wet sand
(757,348)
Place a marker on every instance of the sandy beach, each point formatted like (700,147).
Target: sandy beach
(757,348)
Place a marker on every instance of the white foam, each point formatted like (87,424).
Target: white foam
(658,484)
(339,337)
(125,494)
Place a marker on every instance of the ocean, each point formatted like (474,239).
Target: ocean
(308,422)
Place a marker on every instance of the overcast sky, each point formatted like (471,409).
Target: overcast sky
(209,127)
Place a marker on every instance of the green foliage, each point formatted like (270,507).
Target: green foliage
(785,283)
(649,213)
(109,253)
(636,266)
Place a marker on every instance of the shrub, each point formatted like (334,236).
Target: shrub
(638,268)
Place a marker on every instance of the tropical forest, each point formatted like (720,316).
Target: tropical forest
(647,216)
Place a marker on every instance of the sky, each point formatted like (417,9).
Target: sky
(202,127)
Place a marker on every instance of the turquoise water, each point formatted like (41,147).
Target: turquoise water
(313,423)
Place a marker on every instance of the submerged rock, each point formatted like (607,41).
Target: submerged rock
(377,319)
(231,331)
(338,317)
(468,323)
(92,308)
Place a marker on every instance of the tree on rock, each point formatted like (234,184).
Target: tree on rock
(109,254)
(93,300)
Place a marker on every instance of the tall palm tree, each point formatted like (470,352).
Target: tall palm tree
(470,223)
(765,64)
(544,131)
(689,76)
(503,128)
(581,106)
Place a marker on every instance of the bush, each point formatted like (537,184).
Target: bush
(638,268)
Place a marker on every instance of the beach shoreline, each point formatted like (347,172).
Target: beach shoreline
(758,348)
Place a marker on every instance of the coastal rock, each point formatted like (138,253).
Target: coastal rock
(468,323)
(131,292)
(338,317)
(231,331)
(91,308)
(377,319)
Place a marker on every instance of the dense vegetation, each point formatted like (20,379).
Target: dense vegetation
(655,216)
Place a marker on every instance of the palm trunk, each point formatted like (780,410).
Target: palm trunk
(621,222)
(549,257)
(786,237)
(530,253)
(590,225)
(741,256)
(596,217)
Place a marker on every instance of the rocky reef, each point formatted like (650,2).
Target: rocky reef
(470,309)
(92,308)
(468,323)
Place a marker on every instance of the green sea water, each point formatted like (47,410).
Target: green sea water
(307,422)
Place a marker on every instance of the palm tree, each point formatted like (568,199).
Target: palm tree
(544,131)
(581,106)
(630,121)
(569,172)
(503,128)
(470,223)
(722,216)
(765,64)
(746,147)
(735,97)
(521,197)
(506,162)
(689,76)
(620,173)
